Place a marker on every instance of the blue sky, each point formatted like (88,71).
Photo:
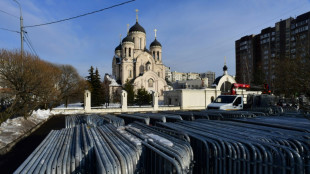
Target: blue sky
(195,34)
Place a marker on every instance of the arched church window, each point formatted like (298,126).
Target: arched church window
(130,73)
(129,52)
(141,69)
(140,43)
(150,83)
(157,55)
(158,74)
(148,67)
(125,51)
(154,54)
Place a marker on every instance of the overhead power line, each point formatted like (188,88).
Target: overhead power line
(29,43)
(29,46)
(9,30)
(62,20)
(9,14)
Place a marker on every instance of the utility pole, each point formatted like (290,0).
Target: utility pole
(21,29)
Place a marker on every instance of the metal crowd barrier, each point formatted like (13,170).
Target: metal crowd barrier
(284,122)
(130,118)
(221,114)
(272,110)
(235,147)
(162,153)
(95,120)
(62,151)
(172,118)
(169,117)
(153,117)
(74,120)
(116,121)
(114,153)
(82,149)
(241,142)
(184,114)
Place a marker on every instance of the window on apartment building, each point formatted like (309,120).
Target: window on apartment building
(303,36)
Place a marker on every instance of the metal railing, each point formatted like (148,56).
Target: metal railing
(216,142)
(235,147)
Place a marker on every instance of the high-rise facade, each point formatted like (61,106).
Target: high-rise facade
(257,55)
(268,53)
(246,58)
(300,38)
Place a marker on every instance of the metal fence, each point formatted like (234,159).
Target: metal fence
(163,153)
(116,121)
(84,150)
(235,147)
(62,151)
(215,142)
(114,153)
(130,118)
(98,147)
(93,120)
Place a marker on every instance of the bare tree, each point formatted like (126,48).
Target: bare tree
(70,83)
(30,82)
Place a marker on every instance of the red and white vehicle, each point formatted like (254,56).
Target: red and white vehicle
(231,101)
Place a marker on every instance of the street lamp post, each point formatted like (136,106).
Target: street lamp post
(21,28)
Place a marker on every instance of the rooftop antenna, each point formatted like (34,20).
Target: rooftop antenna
(137,15)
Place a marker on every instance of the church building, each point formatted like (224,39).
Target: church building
(141,66)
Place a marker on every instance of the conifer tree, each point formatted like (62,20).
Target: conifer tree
(130,92)
(95,87)
(143,97)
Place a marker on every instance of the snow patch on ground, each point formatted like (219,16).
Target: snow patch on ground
(80,106)
(12,129)
(71,106)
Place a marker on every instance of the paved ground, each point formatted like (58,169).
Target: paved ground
(11,161)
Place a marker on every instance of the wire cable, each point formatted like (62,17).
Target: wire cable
(62,20)
(9,30)
(9,14)
(29,43)
(29,46)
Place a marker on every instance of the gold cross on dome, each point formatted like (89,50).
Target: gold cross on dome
(127,28)
(120,37)
(137,14)
(155,30)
